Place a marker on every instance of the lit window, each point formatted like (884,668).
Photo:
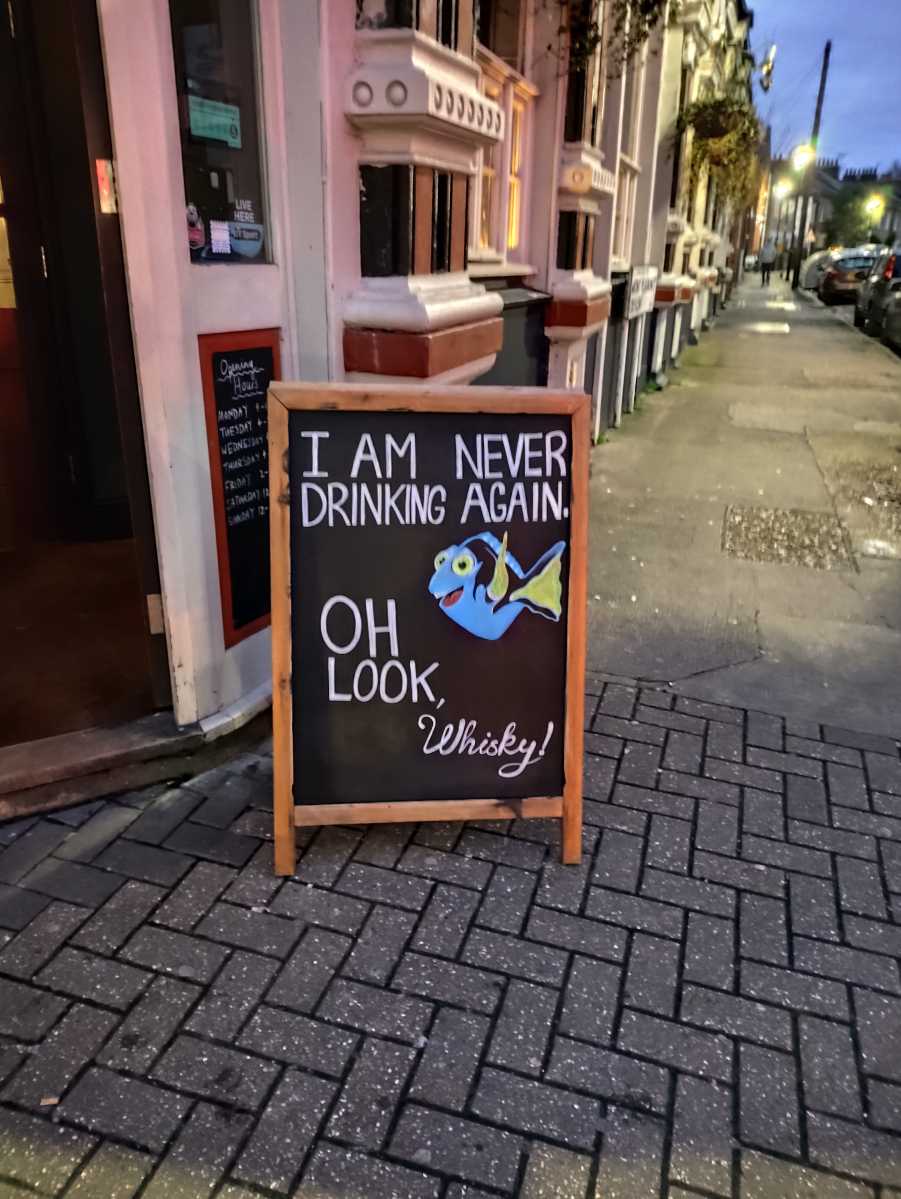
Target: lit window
(514,195)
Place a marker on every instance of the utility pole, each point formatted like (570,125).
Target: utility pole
(812,167)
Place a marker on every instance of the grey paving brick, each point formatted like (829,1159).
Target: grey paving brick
(384,886)
(217,845)
(273,1156)
(227,798)
(823,750)
(768,1100)
(654,698)
(640,764)
(476,1152)
(790,857)
(113,1171)
(530,1106)
(829,1068)
(853,1149)
(107,823)
(37,1153)
(873,823)
(867,741)
(629,729)
(664,802)
(616,1077)
(705,711)
(126,1108)
(454,868)
(327,854)
(710,951)
(72,882)
(813,909)
(884,1104)
(766,1177)
(884,771)
(618,860)
(694,787)
(717,828)
(30,848)
(797,992)
(18,908)
(689,893)
(847,786)
(763,929)
(366,1106)
(255,884)
(701,1151)
(507,899)
(175,953)
(879,1032)
(233,995)
(257,931)
(833,840)
(684,751)
(736,1016)
(510,955)
(787,763)
(379,946)
(201,1153)
(746,876)
(860,887)
(315,906)
(10,830)
(764,730)
(382,1013)
(743,776)
(449,982)
(652,975)
(590,1000)
(444,923)
(562,887)
(10,1060)
(195,895)
(289,1037)
(887,805)
(114,923)
(164,815)
(146,1030)
(72,1043)
(27,1013)
(673,1044)
(334,1171)
(849,965)
(87,976)
(618,700)
(450,1058)
(631,1161)
(763,813)
(383,844)
(506,851)
(725,741)
(554,1173)
(805,799)
(610,815)
(576,932)
(669,844)
(645,915)
(524,1026)
(227,1075)
(873,935)
(36,944)
(597,777)
(309,970)
(145,862)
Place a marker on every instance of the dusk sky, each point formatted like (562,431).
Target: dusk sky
(862,113)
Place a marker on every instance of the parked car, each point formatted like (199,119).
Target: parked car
(842,279)
(891,325)
(876,290)
(814,267)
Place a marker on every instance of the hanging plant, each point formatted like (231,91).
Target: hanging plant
(629,25)
(726,141)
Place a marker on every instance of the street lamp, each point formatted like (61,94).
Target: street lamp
(802,156)
(874,206)
(782,189)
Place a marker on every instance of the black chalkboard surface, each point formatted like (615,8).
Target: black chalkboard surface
(237,370)
(428,587)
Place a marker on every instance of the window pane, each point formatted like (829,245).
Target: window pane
(486,232)
(498,27)
(215,68)
(516,140)
(513,203)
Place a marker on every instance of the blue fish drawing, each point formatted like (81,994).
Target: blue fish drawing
(473,586)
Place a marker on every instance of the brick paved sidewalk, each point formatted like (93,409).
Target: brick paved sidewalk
(709,1005)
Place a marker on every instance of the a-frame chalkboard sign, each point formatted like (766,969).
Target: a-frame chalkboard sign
(428,549)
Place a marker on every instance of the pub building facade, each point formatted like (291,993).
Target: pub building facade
(199,195)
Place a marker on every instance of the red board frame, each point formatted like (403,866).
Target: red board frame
(209,344)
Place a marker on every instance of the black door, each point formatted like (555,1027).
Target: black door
(523,358)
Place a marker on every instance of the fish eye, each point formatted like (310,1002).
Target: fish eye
(463,564)
(440,559)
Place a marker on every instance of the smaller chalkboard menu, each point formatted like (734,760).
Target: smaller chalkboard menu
(428,605)
(237,369)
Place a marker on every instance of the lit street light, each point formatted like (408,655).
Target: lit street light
(874,206)
(782,189)
(803,156)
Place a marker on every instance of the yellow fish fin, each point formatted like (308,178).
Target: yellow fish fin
(500,580)
(542,594)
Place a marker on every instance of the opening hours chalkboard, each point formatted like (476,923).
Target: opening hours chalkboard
(237,369)
(428,605)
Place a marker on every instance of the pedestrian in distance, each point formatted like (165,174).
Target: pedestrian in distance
(767,258)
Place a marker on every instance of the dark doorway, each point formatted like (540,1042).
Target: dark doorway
(523,358)
(77,556)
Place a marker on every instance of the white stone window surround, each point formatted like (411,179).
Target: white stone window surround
(582,173)
(514,88)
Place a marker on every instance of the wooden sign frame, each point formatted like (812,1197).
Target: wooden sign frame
(209,344)
(287,397)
